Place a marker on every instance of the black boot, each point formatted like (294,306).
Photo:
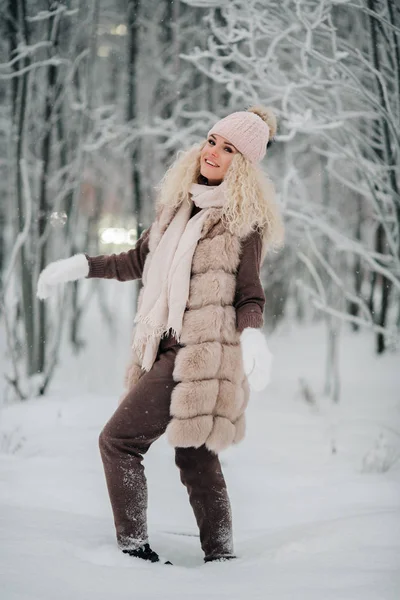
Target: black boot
(145,553)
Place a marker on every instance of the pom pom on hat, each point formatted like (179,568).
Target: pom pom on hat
(249,131)
(267,114)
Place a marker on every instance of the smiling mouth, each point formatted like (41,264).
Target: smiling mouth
(209,163)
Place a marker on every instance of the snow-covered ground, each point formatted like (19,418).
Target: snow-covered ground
(309,523)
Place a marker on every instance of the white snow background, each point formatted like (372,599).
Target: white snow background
(316,515)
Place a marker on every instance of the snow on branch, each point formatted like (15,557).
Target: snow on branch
(55,61)
(23,51)
(206,3)
(44,15)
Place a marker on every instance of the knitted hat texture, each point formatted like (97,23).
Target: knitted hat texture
(248,131)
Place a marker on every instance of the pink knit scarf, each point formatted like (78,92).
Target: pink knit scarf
(166,275)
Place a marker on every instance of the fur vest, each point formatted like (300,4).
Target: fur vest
(211,392)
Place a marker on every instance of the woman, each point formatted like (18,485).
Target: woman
(197,343)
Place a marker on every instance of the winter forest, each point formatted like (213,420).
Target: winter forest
(96,99)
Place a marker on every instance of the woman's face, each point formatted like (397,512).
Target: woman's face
(215,158)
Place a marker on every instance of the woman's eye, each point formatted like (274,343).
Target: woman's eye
(211,142)
(229,149)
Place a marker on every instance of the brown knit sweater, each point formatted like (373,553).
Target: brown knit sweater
(249,297)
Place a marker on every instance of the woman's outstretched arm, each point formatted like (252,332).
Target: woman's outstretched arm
(125,266)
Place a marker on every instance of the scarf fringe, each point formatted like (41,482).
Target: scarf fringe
(148,320)
(157,332)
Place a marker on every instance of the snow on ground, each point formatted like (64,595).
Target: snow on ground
(309,523)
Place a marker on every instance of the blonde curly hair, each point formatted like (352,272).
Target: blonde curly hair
(250,203)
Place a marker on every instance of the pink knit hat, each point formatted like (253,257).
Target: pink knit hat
(248,131)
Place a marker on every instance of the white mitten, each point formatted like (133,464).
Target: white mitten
(257,358)
(60,271)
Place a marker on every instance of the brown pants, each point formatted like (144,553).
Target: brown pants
(139,421)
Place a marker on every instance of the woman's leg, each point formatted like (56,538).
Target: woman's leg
(140,419)
(201,473)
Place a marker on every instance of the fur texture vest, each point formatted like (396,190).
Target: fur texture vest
(211,392)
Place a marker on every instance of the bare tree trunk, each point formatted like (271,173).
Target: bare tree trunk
(394,19)
(332,382)
(386,159)
(391,159)
(170,37)
(86,83)
(18,33)
(2,243)
(50,99)
(131,110)
(354,308)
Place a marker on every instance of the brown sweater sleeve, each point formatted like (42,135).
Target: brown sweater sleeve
(249,298)
(124,266)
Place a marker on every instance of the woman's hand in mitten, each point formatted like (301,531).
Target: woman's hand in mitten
(60,271)
(257,358)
